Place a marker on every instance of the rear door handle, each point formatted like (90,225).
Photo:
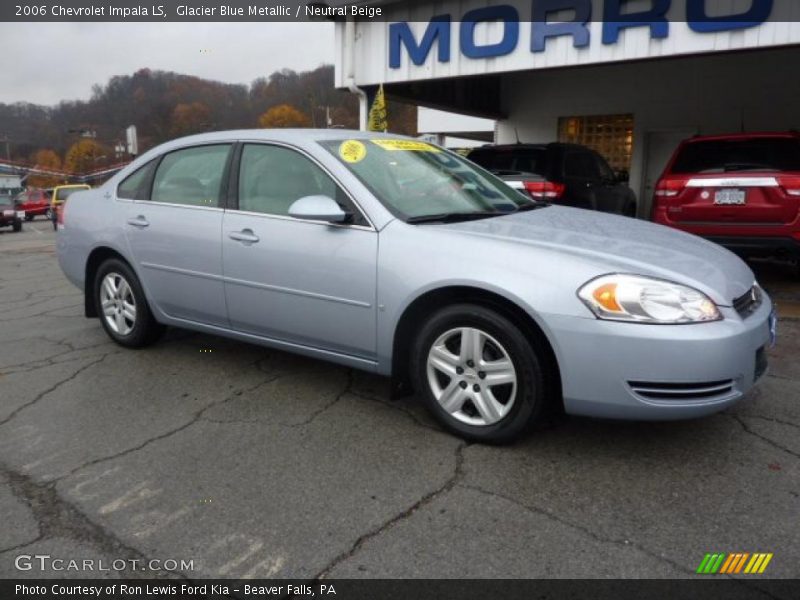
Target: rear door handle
(246,236)
(139,221)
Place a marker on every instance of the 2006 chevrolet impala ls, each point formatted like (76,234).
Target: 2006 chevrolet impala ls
(395,256)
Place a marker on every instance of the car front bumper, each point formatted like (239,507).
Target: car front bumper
(660,372)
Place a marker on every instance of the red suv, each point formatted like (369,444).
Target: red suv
(34,202)
(741,191)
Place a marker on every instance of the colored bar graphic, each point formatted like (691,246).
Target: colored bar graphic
(764,564)
(718,563)
(741,562)
(734,563)
(703,563)
(727,564)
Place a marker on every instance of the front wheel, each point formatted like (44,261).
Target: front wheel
(122,306)
(48,214)
(479,376)
(29,217)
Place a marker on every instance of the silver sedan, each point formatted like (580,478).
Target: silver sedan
(395,256)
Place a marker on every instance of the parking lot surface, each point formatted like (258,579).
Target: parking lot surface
(256,463)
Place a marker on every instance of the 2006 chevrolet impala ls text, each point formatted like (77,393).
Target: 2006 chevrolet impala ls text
(395,256)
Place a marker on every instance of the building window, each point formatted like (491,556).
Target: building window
(610,135)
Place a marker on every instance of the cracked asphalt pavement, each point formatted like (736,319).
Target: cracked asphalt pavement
(256,463)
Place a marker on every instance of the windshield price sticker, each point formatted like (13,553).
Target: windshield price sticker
(407,145)
(352,151)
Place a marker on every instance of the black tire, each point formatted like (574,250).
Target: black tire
(48,214)
(29,217)
(531,398)
(146,330)
(17,226)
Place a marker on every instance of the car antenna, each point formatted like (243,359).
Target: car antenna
(516,134)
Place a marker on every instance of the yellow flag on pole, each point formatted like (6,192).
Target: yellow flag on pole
(377,113)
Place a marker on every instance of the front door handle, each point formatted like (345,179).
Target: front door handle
(246,236)
(139,221)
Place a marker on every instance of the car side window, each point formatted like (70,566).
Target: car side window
(272,178)
(581,165)
(192,176)
(606,172)
(136,186)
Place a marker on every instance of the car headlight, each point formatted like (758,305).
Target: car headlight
(644,300)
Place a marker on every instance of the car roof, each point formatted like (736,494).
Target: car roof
(506,147)
(284,135)
(742,136)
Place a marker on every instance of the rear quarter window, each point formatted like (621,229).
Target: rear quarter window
(512,160)
(753,154)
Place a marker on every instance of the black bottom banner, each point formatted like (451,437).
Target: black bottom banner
(401,589)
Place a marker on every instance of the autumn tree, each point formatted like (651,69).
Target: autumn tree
(190,117)
(45,159)
(83,156)
(284,115)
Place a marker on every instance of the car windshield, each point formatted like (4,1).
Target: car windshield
(510,160)
(416,180)
(753,154)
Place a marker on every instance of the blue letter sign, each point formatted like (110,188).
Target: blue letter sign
(700,22)
(576,28)
(400,34)
(615,21)
(510,18)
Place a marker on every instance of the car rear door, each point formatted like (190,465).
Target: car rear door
(581,178)
(610,195)
(307,283)
(174,231)
(736,181)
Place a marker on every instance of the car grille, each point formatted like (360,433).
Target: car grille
(681,391)
(748,303)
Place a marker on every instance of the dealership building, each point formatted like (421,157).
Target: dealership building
(629,78)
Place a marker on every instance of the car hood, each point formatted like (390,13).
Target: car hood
(623,245)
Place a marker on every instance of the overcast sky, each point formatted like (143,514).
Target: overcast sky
(48,62)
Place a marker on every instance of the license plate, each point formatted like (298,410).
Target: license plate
(728,197)
(21,214)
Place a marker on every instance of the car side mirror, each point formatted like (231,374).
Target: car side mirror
(622,177)
(318,208)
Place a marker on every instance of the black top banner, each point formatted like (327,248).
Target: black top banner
(187,10)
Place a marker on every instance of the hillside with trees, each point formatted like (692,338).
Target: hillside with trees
(164,105)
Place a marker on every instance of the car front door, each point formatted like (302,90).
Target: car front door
(173,219)
(308,283)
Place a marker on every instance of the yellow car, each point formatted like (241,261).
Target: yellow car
(60,195)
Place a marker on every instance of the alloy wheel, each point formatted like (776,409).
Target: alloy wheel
(118,303)
(472,376)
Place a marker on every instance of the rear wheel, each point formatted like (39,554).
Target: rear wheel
(122,306)
(17,226)
(28,217)
(48,214)
(478,374)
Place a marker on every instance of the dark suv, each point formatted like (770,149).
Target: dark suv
(10,214)
(740,190)
(565,174)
